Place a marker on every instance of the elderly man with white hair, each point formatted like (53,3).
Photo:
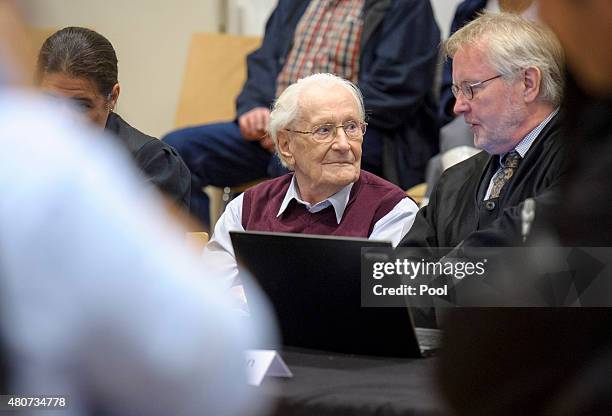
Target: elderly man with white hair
(317,125)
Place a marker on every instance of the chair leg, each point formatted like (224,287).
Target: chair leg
(215,195)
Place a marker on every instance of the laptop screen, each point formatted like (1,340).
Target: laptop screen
(313,283)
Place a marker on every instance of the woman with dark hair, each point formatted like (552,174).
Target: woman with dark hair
(81,65)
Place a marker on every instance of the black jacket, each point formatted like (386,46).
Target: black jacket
(159,162)
(548,361)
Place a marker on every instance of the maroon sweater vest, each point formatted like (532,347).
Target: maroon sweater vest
(371,198)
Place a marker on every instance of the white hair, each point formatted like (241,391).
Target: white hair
(286,107)
(512,43)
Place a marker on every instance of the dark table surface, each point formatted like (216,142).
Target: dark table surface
(326,383)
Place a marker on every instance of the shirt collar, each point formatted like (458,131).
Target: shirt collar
(525,144)
(339,200)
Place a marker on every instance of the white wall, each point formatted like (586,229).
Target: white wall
(248,17)
(444,11)
(151,38)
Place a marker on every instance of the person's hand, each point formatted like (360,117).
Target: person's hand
(254,123)
(267,143)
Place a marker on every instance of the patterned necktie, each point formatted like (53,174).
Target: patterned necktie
(511,162)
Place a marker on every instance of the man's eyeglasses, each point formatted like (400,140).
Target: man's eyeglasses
(354,130)
(468,89)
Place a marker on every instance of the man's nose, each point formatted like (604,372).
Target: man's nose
(341,140)
(461,104)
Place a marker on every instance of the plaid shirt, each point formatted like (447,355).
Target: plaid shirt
(327,39)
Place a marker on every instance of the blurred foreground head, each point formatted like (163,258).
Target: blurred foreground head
(585,30)
(100,299)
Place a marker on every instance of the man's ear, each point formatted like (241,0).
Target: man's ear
(284,148)
(532,79)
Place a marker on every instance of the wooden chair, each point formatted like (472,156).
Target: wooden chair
(214,75)
(197,240)
(417,193)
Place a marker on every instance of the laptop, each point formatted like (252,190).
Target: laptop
(314,285)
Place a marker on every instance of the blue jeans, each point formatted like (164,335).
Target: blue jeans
(218,155)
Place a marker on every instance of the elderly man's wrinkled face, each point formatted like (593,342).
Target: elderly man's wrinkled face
(496,110)
(83,93)
(324,166)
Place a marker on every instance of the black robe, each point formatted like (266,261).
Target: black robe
(159,162)
(536,361)
(457,213)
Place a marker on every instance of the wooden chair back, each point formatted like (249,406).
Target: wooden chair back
(214,75)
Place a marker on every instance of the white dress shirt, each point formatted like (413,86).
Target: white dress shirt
(219,252)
